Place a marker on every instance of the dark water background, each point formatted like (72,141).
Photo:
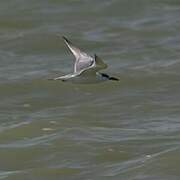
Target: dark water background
(110,131)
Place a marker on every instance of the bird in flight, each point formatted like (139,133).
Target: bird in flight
(86,68)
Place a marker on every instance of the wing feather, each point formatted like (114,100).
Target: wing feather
(83,60)
(95,67)
(99,63)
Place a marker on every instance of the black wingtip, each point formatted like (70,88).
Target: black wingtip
(65,39)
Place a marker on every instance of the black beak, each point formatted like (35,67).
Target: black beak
(113,79)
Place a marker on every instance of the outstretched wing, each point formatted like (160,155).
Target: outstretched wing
(99,64)
(95,67)
(83,60)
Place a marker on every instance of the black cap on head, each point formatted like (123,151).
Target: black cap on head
(105,75)
(108,77)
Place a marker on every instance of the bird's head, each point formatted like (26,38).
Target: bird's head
(109,77)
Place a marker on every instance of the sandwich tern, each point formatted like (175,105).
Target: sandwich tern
(86,68)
